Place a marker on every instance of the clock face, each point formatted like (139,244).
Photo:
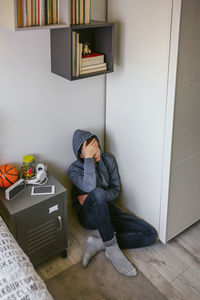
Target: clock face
(18,188)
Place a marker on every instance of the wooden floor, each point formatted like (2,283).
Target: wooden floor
(173,268)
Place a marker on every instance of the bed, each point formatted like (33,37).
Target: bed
(18,278)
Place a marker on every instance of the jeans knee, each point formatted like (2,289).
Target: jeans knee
(152,235)
(98,195)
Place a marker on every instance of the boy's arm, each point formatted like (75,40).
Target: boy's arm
(84,179)
(113,189)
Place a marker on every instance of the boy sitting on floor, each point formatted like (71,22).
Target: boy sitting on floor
(96,185)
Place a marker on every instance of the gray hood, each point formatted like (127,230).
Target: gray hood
(79,138)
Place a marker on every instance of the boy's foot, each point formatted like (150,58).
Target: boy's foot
(119,261)
(93,246)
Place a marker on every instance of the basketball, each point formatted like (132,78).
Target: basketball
(8,175)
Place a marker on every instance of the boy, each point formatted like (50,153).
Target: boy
(96,184)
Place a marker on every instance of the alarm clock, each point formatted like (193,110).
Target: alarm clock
(15,189)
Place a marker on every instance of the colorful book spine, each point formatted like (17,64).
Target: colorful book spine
(71,12)
(35,7)
(37,12)
(73,52)
(77,11)
(24,13)
(57,11)
(75,8)
(87,11)
(33,12)
(19,13)
(81,11)
(47,11)
(41,13)
(29,12)
(77,55)
(54,8)
(80,56)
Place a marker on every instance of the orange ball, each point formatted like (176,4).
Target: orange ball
(8,175)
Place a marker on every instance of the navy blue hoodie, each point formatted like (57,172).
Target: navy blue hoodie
(86,175)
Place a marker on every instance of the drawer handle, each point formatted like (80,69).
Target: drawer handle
(60,222)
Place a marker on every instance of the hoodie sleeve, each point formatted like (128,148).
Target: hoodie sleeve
(84,177)
(113,189)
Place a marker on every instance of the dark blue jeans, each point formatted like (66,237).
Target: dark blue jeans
(97,213)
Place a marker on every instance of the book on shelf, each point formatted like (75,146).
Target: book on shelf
(29,12)
(77,72)
(24,14)
(73,52)
(19,13)
(82,72)
(80,55)
(80,12)
(42,12)
(55,12)
(92,59)
(77,11)
(87,11)
(90,67)
(76,54)
(49,12)
(37,19)
(33,12)
(37,12)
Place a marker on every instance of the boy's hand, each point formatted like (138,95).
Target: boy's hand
(81,198)
(88,151)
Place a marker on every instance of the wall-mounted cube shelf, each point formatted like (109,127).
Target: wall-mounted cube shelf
(98,34)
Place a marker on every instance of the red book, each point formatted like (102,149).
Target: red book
(92,55)
(92,59)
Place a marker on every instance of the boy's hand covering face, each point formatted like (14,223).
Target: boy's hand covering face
(91,150)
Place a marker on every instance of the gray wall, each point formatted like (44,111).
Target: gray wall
(39,111)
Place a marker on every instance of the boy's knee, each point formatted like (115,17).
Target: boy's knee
(152,235)
(98,195)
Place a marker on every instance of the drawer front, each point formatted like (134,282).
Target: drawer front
(41,230)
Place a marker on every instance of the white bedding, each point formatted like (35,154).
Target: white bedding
(18,278)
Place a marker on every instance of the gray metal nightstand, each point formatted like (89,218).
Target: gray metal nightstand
(38,223)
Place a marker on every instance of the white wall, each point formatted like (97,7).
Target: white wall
(184,204)
(136,100)
(39,111)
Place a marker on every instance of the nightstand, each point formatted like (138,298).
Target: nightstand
(38,223)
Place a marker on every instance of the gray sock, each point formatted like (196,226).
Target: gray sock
(93,246)
(94,232)
(118,260)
